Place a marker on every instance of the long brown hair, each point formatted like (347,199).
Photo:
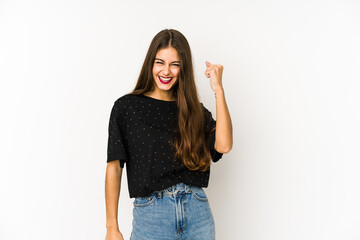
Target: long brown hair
(190,138)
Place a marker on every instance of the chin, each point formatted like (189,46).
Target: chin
(164,86)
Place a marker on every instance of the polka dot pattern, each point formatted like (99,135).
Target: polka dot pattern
(140,129)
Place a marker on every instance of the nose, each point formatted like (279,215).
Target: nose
(166,70)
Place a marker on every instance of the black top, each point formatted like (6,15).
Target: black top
(140,128)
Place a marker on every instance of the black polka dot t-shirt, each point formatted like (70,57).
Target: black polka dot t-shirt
(140,129)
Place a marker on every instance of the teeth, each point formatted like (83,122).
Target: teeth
(165,79)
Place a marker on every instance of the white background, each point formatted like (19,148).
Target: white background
(291,79)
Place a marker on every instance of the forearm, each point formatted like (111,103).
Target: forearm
(223,133)
(112,192)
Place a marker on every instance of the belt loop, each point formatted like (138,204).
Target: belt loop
(159,194)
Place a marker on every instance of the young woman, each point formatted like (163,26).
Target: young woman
(167,139)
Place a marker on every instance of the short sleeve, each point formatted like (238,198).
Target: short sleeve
(210,123)
(116,149)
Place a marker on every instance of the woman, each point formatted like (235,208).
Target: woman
(167,139)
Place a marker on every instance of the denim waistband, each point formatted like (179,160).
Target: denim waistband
(179,187)
(174,189)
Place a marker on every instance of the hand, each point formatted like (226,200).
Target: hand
(113,234)
(214,72)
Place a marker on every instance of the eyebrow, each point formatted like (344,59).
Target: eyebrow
(164,61)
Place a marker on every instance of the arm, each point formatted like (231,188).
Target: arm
(116,158)
(112,192)
(223,133)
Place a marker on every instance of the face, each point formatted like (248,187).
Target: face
(166,68)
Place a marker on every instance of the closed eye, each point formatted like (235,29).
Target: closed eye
(172,64)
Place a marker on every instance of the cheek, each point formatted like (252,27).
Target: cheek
(176,73)
(155,71)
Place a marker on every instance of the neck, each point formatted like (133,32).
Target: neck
(162,95)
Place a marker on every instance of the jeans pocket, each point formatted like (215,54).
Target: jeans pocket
(144,201)
(199,194)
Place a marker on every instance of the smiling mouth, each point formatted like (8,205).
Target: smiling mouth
(165,80)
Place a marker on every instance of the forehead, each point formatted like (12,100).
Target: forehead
(168,54)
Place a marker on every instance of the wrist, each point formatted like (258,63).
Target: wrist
(112,226)
(219,91)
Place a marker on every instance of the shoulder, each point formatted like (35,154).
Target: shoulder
(121,105)
(125,100)
(205,110)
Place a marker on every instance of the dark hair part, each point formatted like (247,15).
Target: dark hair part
(190,139)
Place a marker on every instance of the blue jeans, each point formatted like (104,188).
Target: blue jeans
(178,212)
